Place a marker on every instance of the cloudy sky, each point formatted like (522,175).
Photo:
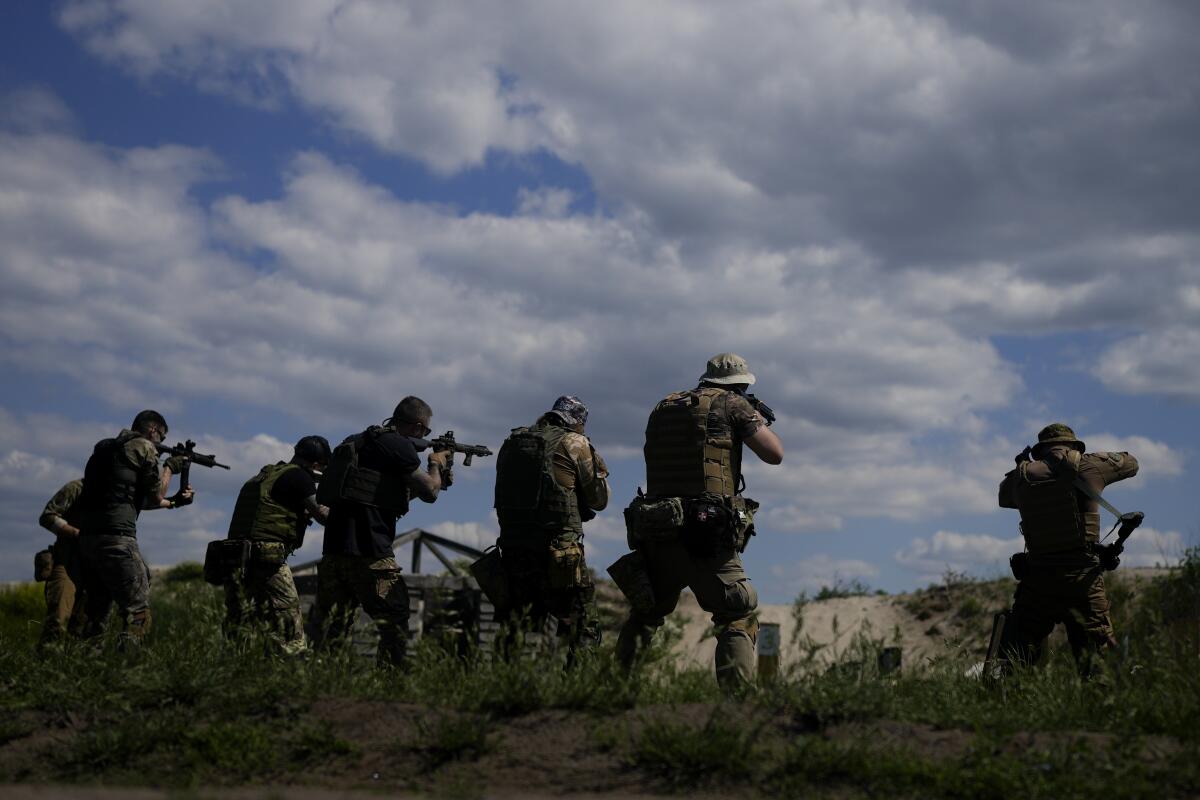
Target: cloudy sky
(931,227)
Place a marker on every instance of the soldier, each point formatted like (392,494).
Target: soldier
(122,478)
(549,481)
(693,522)
(357,564)
(64,587)
(273,510)
(1061,574)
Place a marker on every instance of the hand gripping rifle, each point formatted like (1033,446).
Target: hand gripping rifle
(764,410)
(187,451)
(447,442)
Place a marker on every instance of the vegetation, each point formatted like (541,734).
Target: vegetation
(190,709)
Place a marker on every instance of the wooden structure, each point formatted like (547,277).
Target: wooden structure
(448,607)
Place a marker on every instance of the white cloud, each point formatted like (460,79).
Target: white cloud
(820,570)
(1148,547)
(960,552)
(1165,362)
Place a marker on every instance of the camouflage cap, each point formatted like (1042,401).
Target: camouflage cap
(571,409)
(1057,433)
(727,368)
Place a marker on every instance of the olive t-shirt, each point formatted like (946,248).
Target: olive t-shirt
(359,530)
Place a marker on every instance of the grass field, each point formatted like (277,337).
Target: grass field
(190,710)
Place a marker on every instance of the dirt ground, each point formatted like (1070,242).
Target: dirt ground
(924,624)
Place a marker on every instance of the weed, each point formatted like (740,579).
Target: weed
(721,750)
(453,737)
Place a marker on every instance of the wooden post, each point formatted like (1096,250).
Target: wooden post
(768,652)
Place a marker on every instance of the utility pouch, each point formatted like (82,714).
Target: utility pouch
(226,560)
(564,569)
(270,554)
(743,521)
(658,518)
(631,577)
(488,571)
(1019,564)
(43,565)
(708,525)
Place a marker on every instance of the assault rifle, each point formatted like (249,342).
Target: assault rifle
(764,410)
(187,451)
(447,442)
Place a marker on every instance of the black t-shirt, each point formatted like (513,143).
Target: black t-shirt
(292,488)
(358,530)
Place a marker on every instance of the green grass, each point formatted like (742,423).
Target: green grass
(22,609)
(189,709)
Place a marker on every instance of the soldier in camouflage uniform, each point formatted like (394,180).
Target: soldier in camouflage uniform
(64,587)
(358,566)
(693,523)
(122,478)
(1063,580)
(549,481)
(272,511)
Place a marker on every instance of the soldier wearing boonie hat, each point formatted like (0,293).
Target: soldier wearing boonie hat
(549,481)
(1062,569)
(690,527)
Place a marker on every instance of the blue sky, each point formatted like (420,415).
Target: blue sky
(930,228)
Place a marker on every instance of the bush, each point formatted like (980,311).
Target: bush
(183,572)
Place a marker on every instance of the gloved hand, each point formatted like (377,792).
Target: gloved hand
(1110,559)
(183,497)
(175,464)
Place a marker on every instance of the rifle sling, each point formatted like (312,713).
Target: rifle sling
(1087,489)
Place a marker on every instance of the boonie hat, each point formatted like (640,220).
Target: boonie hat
(1057,433)
(727,368)
(571,409)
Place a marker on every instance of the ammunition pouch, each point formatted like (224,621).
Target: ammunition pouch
(653,518)
(268,554)
(43,565)
(630,575)
(226,560)
(564,567)
(488,571)
(1019,564)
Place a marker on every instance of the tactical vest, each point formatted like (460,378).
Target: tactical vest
(258,517)
(682,459)
(345,480)
(111,499)
(1051,518)
(527,495)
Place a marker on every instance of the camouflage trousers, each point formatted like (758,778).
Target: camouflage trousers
(266,599)
(1047,596)
(552,596)
(114,572)
(721,587)
(64,594)
(346,582)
